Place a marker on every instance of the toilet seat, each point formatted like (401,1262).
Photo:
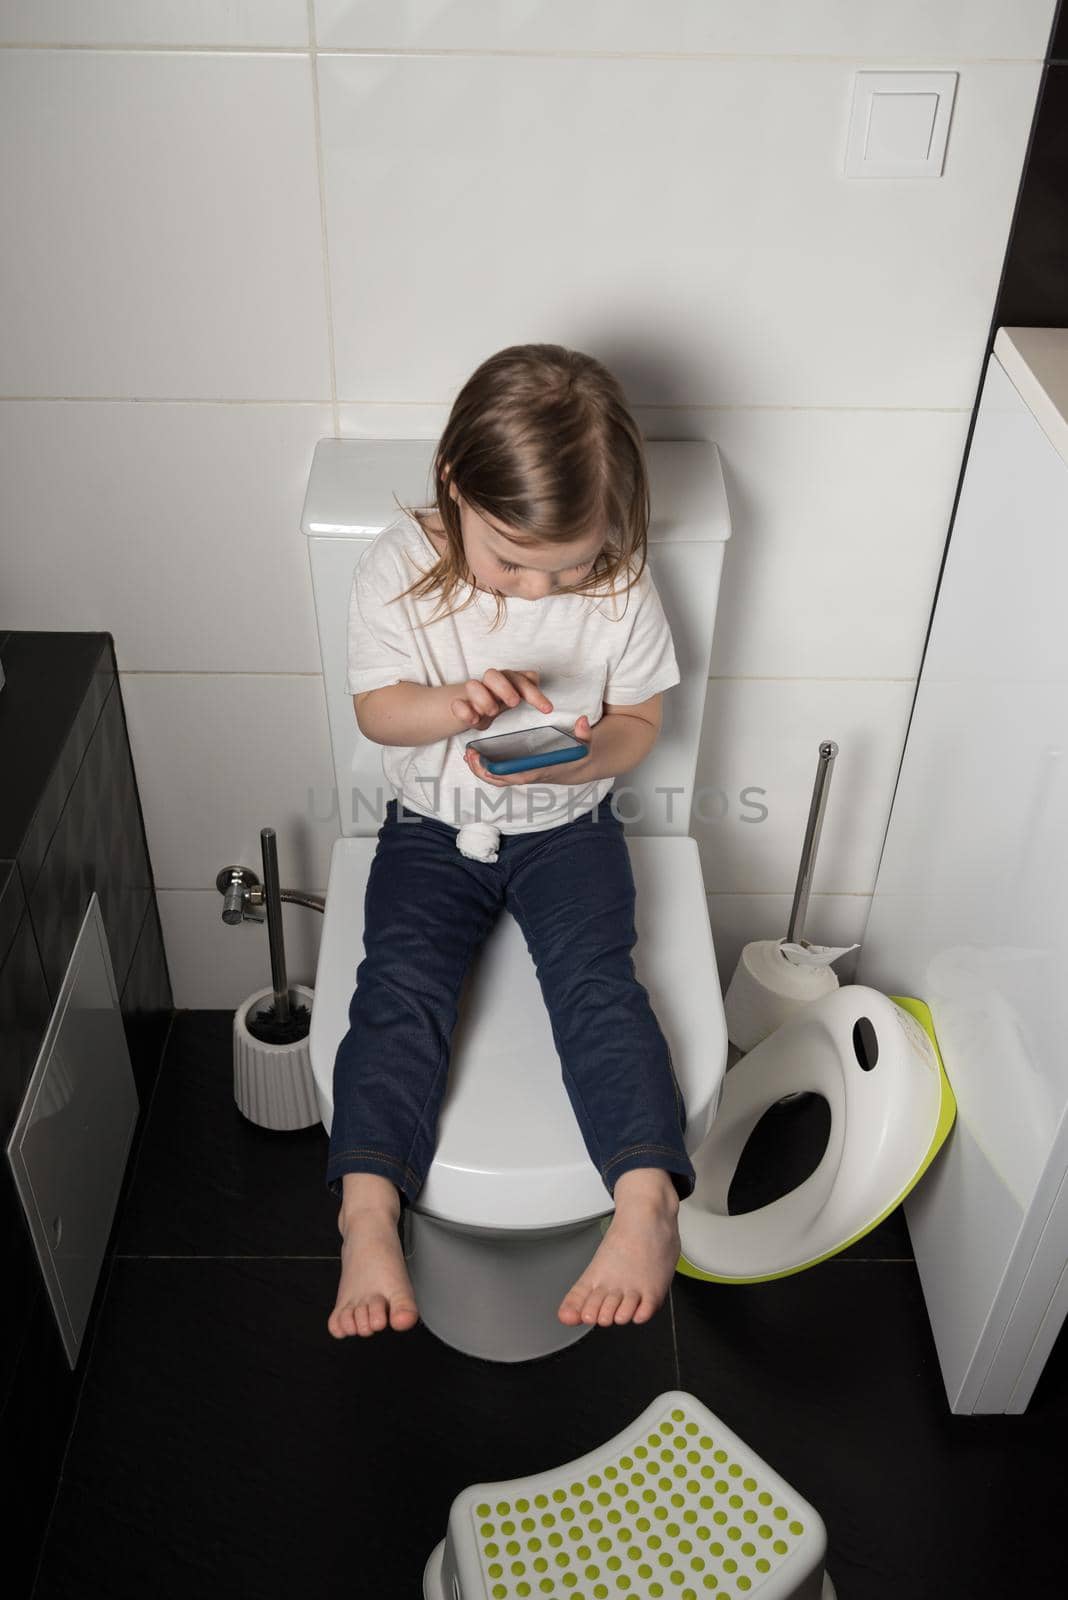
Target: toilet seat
(509,1153)
(889,1119)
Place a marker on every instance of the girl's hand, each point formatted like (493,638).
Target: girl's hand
(563,772)
(483,699)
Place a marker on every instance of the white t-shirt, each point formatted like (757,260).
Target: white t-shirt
(587,649)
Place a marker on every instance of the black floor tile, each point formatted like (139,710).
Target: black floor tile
(208,1181)
(832,1377)
(225,1443)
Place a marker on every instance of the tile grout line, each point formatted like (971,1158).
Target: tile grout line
(857,58)
(340,400)
(197,1256)
(320,174)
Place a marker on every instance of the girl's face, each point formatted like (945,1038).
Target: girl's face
(526,571)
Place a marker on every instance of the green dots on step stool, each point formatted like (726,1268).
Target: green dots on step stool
(797,1527)
(486,1530)
(764,1498)
(780,1513)
(780,1547)
(745,1583)
(763,1566)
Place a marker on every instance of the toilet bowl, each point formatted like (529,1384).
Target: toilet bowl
(512,1208)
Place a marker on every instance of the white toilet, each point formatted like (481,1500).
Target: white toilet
(513,1208)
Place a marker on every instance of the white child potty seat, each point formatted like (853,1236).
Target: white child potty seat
(675,1505)
(875,1059)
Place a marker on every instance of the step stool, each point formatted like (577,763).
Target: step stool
(675,1505)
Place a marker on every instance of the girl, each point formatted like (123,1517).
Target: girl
(524,600)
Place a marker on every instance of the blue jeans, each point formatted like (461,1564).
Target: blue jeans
(427,909)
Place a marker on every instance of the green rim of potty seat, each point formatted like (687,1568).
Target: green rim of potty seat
(947,1111)
(676,1505)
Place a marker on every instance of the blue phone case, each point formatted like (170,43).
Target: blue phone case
(551,758)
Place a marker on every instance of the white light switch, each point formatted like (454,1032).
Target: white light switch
(899,124)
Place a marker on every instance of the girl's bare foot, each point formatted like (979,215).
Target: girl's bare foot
(375,1287)
(630,1273)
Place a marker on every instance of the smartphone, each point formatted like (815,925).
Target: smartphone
(502,753)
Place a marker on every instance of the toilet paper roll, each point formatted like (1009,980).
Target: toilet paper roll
(768,988)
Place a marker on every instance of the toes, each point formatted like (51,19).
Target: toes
(570,1309)
(648,1308)
(340,1322)
(592,1305)
(608,1310)
(403,1314)
(627,1307)
(376,1312)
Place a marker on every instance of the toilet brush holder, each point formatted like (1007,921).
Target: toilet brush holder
(774,978)
(273,1082)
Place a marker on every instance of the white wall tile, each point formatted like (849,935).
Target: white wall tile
(215,966)
(220,756)
(175,528)
(149,22)
(685,220)
(839,523)
(163,227)
(738,919)
(912,29)
(756,770)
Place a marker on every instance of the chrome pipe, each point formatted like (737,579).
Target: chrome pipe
(799,909)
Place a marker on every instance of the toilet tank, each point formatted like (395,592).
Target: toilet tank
(350,500)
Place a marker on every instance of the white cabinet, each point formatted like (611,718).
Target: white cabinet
(70,1142)
(970,911)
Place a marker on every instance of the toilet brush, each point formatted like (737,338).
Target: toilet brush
(273,1081)
(775,978)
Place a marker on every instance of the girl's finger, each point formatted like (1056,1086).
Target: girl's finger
(501,685)
(527,685)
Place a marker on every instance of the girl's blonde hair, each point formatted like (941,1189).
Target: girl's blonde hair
(541,438)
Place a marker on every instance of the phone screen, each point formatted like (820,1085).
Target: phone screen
(527,742)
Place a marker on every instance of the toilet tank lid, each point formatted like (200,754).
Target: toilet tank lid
(352,484)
